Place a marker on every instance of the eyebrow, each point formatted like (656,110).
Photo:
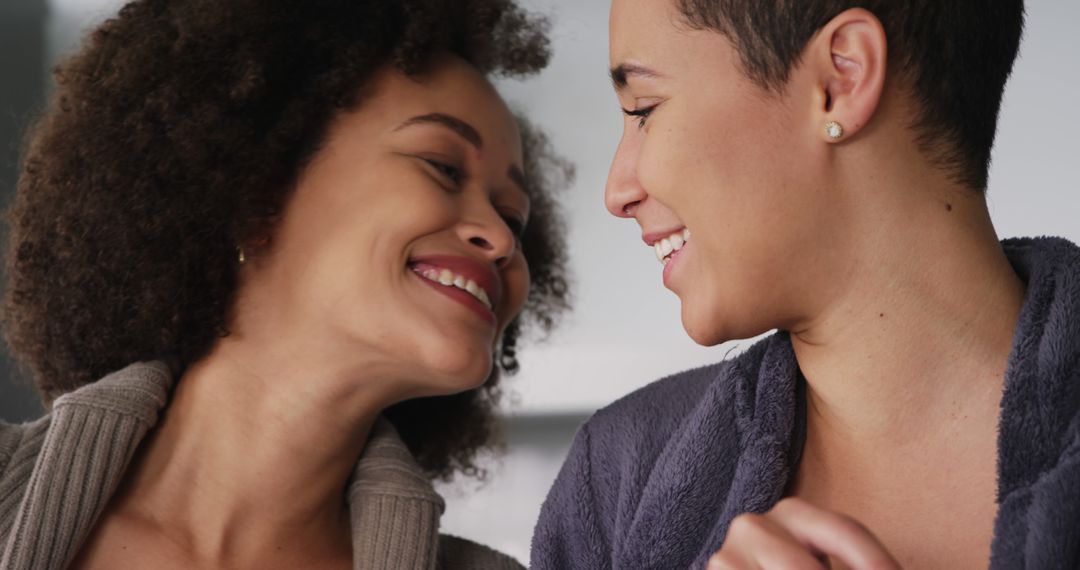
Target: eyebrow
(621,74)
(463,129)
(467,132)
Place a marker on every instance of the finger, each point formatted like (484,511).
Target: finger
(756,541)
(833,534)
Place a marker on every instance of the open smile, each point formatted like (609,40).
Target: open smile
(667,245)
(462,279)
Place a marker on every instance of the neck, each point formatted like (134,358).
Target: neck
(245,457)
(918,339)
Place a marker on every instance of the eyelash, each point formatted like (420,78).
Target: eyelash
(453,173)
(642,114)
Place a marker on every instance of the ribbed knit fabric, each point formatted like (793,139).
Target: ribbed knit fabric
(81,453)
(19,450)
(387,486)
(57,475)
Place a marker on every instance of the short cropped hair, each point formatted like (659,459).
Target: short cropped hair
(955,57)
(179,126)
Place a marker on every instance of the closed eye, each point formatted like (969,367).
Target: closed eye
(447,171)
(641,114)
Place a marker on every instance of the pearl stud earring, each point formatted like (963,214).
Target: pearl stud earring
(834,130)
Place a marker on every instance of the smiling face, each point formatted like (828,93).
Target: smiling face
(708,154)
(398,251)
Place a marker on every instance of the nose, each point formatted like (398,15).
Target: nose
(623,192)
(489,234)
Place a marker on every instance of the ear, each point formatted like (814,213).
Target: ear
(849,58)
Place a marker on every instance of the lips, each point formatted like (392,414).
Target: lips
(651,238)
(671,261)
(474,283)
(667,243)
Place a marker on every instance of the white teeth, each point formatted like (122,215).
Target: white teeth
(451,279)
(675,242)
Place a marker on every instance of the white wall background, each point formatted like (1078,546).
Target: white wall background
(625,330)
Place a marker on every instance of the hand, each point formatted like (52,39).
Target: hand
(798,535)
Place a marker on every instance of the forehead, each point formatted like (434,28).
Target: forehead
(450,87)
(653,34)
(638,24)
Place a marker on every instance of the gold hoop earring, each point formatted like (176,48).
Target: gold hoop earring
(834,130)
(241,256)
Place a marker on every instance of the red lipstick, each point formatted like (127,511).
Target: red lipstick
(471,270)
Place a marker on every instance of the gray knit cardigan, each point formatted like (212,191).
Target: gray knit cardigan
(58,473)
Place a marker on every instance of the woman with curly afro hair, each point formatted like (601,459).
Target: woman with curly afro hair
(266,261)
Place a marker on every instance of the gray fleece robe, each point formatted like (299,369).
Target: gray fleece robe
(654,480)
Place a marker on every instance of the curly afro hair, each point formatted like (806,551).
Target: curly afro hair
(179,125)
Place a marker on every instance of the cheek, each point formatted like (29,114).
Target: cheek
(682,156)
(671,170)
(733,157)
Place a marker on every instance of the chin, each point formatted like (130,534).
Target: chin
(701,333)
(699,325)
(713,327)
(459,369)
(698,313)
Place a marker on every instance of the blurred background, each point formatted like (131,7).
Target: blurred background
(625,329)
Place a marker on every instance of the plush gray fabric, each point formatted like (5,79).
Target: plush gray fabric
(654,480)
(58,473)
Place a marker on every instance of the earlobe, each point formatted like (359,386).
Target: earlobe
(853,73)
(834,130)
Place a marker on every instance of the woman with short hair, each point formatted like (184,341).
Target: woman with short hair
(820,168)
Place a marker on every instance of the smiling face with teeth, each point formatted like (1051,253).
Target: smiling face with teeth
(706,150)
(399,249)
